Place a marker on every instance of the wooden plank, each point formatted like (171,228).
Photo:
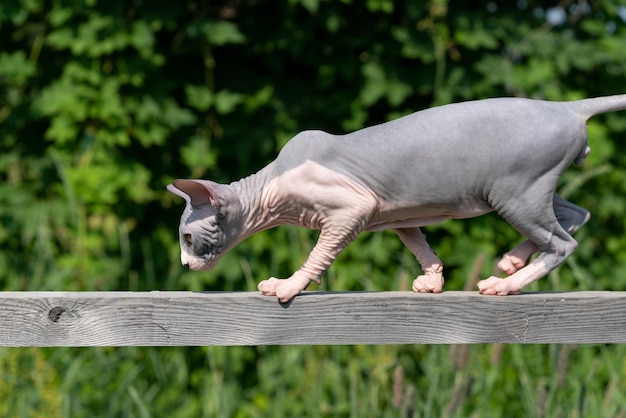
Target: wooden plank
(247,318)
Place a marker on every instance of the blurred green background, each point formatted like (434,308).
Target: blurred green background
(102,103)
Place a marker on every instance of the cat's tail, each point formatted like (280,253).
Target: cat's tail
(591,107)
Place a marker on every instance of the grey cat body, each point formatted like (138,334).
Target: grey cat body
(455,161)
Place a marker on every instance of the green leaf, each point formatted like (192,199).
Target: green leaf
(225,101)
(59,16)
(147,109)
(198,156)
(220,33)
(311,6)
(62,129)
(384,6)
(397,92)
(260,98)
(15,67)
(108,106)
(199,97)
(175,116)
(476,39)
(61,38)
(142,38)
(63,97)
(375,85)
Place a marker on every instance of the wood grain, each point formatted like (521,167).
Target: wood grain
(247,318)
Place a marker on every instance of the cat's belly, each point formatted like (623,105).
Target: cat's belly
(397,215)
(406,223)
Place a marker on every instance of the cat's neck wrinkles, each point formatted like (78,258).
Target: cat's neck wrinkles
(262,207)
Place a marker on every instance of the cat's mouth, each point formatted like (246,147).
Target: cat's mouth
(197,263)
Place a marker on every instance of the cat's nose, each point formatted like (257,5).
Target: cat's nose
(184,259)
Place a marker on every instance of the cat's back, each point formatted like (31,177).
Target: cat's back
(457,145)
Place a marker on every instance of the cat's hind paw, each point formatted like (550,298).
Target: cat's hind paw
(498,287)
(510,263)
(517,258)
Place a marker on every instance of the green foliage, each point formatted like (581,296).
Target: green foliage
(103,103)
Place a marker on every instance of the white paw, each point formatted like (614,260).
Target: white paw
(284,289)
(428,283)
(497,286)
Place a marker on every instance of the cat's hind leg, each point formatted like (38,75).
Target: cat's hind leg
(570,216)
(432,279)
(532,215)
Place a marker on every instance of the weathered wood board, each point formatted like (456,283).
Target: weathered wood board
(247,318)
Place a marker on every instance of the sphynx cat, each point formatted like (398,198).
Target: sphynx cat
(455,161)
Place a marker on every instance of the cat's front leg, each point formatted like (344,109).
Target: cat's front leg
(330,243)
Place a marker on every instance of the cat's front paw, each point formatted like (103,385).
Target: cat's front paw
(498,286)
(284,289)
(428,283)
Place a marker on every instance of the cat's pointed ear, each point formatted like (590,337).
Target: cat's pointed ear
(197,192)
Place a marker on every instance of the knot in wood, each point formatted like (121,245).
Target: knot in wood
(55,313)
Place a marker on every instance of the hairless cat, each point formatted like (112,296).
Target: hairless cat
(455,161)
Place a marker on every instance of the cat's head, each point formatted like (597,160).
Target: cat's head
(210,224)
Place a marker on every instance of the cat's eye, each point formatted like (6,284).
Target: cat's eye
(188,239)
